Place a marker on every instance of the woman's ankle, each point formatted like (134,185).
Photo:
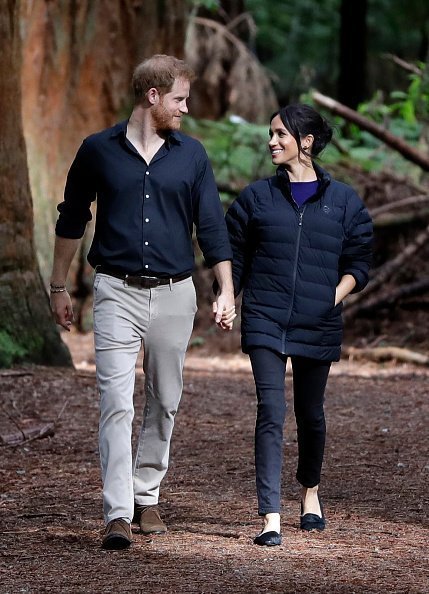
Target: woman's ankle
(271,522)
(310,500)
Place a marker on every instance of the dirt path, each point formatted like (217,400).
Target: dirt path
(374,490)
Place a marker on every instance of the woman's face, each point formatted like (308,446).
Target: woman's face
(282,144)
(283,147)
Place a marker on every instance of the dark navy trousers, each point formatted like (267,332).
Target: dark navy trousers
(309,383)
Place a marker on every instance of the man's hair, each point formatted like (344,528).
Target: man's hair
(159,72)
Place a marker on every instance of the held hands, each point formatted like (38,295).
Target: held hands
(224,310)
(62,308)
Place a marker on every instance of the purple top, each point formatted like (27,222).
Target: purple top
(302,191)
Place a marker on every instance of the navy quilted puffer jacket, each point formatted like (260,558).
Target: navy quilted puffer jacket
(289,260)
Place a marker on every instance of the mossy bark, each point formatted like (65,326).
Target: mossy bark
(27,330)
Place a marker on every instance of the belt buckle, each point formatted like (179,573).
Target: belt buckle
(143,282)
(149,282)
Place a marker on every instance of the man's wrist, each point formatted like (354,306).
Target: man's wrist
(57,287)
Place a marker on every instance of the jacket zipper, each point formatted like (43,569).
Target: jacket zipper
(295,268)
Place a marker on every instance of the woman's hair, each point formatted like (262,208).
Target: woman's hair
(159,72)
(300,119)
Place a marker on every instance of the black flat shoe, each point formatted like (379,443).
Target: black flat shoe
(268,539)
(312,521)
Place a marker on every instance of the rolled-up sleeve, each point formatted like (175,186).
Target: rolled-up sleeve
(208,215)
(356,256)
(80,191)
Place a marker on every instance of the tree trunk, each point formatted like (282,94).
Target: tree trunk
(27,331)
(351,80)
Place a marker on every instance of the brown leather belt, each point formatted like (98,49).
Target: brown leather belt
(143,282)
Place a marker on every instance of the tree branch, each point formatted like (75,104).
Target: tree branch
(387,353)
(394,220)
(384,273)
(410,200)
(409,152)
(389,300)
(403,64)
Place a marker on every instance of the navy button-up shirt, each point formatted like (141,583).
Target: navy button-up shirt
(145,213)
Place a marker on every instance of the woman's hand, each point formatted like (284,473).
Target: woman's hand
(344,287)
(225,315)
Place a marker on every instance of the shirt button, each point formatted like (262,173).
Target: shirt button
(146,265)
(146,243)
(147,195)
(146,220)
(147,172)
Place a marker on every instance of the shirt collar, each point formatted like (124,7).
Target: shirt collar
(120,129)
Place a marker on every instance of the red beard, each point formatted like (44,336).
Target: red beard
(163,120)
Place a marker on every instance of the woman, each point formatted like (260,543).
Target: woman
(301,243)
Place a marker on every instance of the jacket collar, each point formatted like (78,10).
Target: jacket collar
(322,176)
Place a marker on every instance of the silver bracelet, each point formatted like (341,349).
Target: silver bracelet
(54,289)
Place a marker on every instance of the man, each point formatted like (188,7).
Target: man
(152,184)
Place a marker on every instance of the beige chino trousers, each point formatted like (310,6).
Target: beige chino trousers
(125,318)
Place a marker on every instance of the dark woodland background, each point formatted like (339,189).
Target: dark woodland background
(65,73)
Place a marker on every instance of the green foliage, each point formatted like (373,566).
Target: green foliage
(10,350)
(197,341)
(239,155)
(397,26)
(405,114)
(238,151)
(412,104)
(410,107)
(212,5)
(297,41)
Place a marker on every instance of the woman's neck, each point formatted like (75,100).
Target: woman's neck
(301,172)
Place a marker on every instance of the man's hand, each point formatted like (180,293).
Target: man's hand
(61,305)
(224,306)
(224,310)
(62,309)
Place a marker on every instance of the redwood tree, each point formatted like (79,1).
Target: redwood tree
(27,331)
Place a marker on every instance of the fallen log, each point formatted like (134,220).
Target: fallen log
(409,201)
(389,300)
(384,273)
(30,429)
(28,432)
(395,220)
(398,144)
(380,354)
(15,373)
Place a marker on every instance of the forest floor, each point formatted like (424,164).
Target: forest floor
(374,487)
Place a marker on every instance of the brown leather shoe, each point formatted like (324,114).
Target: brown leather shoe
(117,535)
(150,520)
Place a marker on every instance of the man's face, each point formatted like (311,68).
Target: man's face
(167,114)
